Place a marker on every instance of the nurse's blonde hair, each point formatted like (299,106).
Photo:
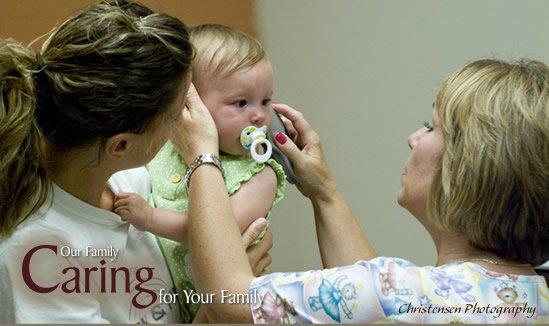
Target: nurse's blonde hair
(493,178)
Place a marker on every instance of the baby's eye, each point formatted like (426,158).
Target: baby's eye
(428,126)
(266,102)
(241,103)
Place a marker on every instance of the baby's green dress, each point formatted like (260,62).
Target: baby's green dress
(167,170)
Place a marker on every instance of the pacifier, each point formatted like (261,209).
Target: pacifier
(253,138)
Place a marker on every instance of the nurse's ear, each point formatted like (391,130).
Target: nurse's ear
(118,146)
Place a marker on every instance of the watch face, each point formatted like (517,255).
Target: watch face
(210,157)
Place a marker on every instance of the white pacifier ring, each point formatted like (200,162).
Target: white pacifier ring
(261,158)
(253,137)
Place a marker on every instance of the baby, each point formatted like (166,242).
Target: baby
(235,81)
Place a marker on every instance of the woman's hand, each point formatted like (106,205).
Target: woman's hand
(305,152)
(258,254)
(196,133)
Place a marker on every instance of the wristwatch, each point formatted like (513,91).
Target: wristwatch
(208,158)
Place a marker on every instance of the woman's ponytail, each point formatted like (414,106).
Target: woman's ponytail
(23,183)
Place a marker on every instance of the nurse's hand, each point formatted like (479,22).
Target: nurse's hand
(195,132)
(304,150)
(258,254)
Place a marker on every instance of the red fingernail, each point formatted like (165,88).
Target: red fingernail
(281,138)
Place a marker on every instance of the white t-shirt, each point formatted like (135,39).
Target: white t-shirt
(42,280)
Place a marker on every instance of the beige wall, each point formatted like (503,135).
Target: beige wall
(24,20)
(365,72)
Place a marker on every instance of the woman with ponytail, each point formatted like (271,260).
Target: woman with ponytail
(77,120)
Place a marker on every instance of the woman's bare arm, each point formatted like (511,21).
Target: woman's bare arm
(217,265)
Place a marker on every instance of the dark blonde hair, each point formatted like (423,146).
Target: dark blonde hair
(114,67)
(493,179)
(223,50)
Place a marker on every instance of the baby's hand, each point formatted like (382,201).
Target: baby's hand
(134,209)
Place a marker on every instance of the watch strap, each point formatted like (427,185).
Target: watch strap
(208,158)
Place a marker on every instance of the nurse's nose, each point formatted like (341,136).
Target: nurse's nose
(414,137)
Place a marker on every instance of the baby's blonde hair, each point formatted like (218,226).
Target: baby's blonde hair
(222,50)
(493,179)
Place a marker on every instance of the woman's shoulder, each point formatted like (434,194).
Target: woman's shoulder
(41,230)
(63,220)
(459,275)
(481,273)
(458,267)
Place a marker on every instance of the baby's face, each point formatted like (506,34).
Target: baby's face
(237,101)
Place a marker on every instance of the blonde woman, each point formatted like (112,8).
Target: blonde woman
(477,178)
(101,97)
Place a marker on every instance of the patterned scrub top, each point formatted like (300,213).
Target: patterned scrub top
(395,290)
(167,170)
